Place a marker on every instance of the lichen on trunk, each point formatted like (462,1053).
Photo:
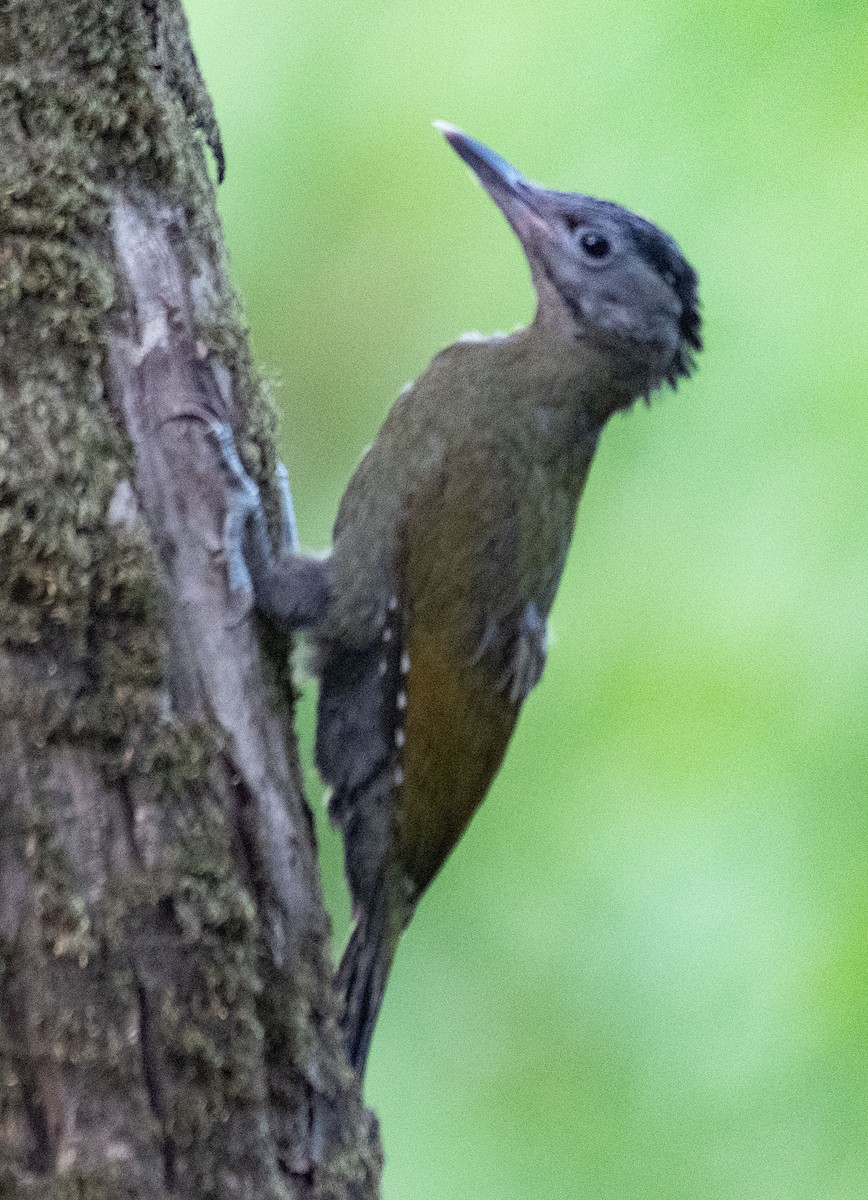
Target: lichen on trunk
(167,1022)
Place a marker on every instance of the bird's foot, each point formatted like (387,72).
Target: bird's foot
(245,534)
(288,527)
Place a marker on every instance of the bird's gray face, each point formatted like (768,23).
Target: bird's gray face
(602,273)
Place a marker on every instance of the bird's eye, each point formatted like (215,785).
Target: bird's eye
(595,245)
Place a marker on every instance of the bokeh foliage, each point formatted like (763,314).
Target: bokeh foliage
(644,973)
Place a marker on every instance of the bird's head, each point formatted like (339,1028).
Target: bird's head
(603,275)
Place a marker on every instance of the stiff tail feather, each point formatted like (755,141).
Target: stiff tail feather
(361,977)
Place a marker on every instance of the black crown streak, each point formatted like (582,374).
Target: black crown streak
(661,253)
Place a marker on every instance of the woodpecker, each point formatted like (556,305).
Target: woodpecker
(429,614)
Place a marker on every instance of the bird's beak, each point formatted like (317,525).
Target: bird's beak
(520,201)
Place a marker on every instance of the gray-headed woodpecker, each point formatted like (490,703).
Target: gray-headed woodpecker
(429,615)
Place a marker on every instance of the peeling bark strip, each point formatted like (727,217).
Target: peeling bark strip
(167,1023)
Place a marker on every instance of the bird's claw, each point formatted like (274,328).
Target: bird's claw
(243,487)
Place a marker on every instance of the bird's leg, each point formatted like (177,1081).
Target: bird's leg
(288,527)
(290,586)
(528,656)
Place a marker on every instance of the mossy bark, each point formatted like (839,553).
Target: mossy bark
(167,1021)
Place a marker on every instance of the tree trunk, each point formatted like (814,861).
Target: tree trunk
(167,1020)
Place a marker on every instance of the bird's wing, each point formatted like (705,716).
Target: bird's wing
(463,619)
(412,726)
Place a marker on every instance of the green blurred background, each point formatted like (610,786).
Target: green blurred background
(644,972)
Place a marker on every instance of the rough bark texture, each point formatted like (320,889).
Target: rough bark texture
(167,1022)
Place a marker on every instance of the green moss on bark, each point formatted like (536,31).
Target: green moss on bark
(96,100)
(83,116)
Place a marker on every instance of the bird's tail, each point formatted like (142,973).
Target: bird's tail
(362,974)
